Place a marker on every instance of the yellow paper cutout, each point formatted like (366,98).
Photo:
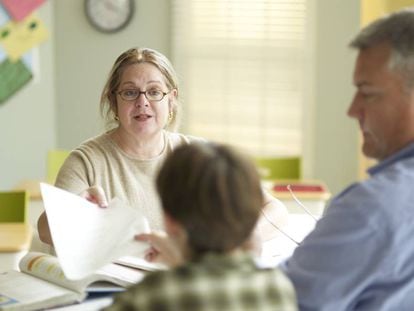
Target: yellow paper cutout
(19,37)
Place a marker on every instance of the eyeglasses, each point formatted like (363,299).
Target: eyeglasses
(301,205)
(153,95)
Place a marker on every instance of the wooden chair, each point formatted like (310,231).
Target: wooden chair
(55,159)
(279,168)
(15,231)
(13,206)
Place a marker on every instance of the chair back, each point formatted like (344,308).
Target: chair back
(279,168)
(13,206)
(55,159)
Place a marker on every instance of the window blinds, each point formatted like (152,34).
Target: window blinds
(241,69)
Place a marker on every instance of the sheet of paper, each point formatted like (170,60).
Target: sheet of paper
(85,236)
(88,305)
(140,263)
(19,9)
(13,76)
(29,59)
(19,290)
(3,55)
(4,17)
(18,38)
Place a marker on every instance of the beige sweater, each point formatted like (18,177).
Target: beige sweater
(100,162)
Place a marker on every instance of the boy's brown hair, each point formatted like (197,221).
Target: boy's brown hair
(214,193)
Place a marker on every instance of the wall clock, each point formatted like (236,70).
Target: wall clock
(109,15)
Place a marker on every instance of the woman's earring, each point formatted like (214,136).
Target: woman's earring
(116,118)
(170,116)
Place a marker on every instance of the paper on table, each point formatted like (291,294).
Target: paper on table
(13,76)
(85,236)
(19,9)
(4,17)
(140,263)
(18,38)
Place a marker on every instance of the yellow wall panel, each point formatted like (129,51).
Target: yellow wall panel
(371,9)
(394,5)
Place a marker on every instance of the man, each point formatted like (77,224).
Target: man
(360,255)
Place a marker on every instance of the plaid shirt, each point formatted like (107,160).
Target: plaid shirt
(216,282)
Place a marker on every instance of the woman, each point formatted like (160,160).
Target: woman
(211,199)
(140,105)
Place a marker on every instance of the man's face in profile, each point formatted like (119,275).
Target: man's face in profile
(382,105)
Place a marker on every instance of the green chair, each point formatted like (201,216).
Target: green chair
(55,159)
(279,168)
(13,206)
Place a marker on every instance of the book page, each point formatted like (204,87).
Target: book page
(140,263)
(85,236)
(20,291)
(88,305)
(117,274)
(46,267)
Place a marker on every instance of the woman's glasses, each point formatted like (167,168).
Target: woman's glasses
(153,95)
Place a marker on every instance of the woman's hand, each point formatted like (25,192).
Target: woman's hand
(163,249)
(95,194)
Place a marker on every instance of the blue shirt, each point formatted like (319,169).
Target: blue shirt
(361,254)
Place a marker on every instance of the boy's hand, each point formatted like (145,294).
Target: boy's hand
(163,249)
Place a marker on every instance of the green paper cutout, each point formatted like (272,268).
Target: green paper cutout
(13,76)
(5,33)
(33,25)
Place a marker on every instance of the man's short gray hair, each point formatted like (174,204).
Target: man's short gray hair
(397,29)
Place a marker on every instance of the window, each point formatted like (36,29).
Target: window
(241,68)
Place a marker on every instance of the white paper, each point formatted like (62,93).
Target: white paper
(140,263)
(20,291)
(86,236)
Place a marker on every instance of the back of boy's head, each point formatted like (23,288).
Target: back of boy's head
(214,193)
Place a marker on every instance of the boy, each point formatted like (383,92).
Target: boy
(211,198)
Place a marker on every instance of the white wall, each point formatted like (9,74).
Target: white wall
(336,135)
(27,119)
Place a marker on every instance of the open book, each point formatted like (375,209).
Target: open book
(42,283)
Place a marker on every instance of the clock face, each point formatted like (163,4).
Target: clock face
(109,15)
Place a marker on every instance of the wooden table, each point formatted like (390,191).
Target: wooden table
(15,237)
(312,194)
